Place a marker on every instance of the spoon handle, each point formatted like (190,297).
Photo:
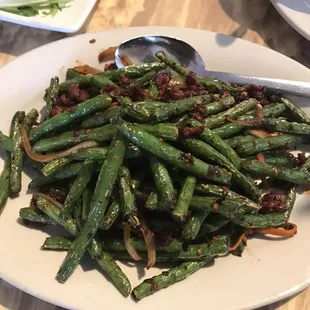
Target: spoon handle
(296,88)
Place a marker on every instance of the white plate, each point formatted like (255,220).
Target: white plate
(69,20)
(268,271)
(296,13)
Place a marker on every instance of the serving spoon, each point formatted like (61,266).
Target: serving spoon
(142,50)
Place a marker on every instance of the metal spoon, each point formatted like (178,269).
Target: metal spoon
(142,50)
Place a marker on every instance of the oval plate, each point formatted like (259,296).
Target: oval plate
(269,269)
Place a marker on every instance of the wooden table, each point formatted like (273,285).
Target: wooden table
(252,20)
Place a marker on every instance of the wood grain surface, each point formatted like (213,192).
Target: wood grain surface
(253,20)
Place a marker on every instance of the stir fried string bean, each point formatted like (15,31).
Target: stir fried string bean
(154,163)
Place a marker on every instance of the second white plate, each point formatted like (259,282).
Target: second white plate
(296,13)
(69,20)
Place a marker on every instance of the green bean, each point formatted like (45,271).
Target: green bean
(5,182)
(94,153)
(166,131)
(32,215)
(269,220)
(130,71)
(102,118)
(117,245)
(72,74)
(176,108)
(107,177)
(105,261)
(68,117)
(17,153)
(113,244)
(57,243)
(218,191)
(128,202)
(111,215)
(230,207)
(170,154)
(240,140)
(50,210)
(163,182)
(269,143)
(70,138)
(221,146)
(297,113)
(50,95)
(207,152)
(135,110)
(229,129)
(143,80)
(176,274)
(213,223)
(180,211)
(78,187)
(289,175)
(54,166)
(67,172)
(281,125)
(97,81)
(279,160)
(192,227)
(86,201)
(133,71)
(152,201)
(220,118)
(195,252)
(153,91)
(218,106)
(208,84)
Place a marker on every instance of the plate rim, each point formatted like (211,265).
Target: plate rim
(287,293)
(29,22)
(290,21)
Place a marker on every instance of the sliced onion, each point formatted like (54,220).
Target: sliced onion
(86,69)
(260,157)
(150,244)
(109,52)
(45,158)
(255,122)
(177,82)
(126,60)
(259,133)
(130,249)
(49,199)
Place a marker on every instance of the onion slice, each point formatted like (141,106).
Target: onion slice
(109,52)
(130,249)
(49,199)
(259,133)
(149,239)
(287,230)
(260,157)
(126,60)
(86,69)
(255,122)
(45,158)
